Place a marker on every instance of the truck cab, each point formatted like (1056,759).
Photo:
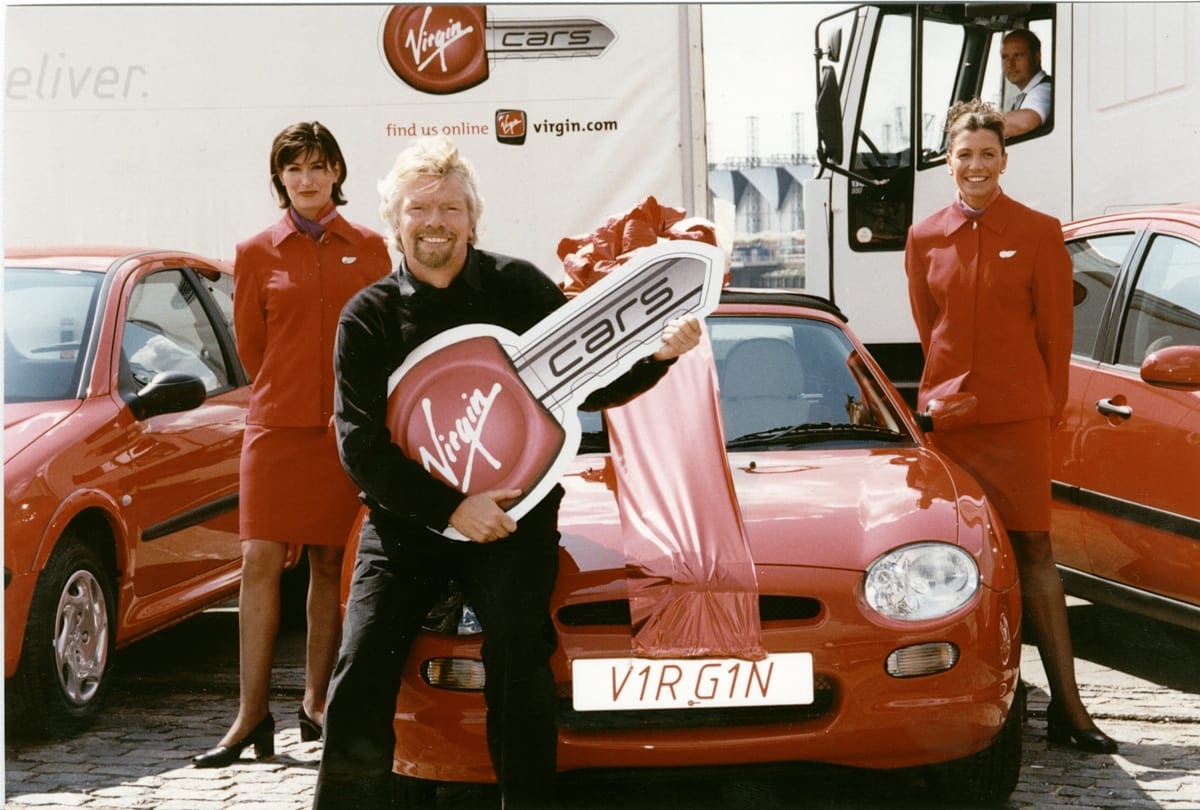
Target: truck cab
(1124,92)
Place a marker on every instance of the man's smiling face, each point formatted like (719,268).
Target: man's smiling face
(435,228)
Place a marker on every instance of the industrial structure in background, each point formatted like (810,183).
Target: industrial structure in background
(767,200)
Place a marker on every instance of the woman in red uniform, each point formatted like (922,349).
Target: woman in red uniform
(990,285)
(290,284)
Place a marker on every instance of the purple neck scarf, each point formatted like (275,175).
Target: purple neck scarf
(314,228)
(975,213)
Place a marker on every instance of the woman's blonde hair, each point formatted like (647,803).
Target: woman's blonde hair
(432,157)
(972,116)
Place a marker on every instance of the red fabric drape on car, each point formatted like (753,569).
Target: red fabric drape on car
(692,586)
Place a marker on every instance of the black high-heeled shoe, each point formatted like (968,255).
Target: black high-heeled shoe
(1060,732)
(309,729)
(262,737)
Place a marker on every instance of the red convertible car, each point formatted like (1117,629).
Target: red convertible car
(124,406)
(886,589)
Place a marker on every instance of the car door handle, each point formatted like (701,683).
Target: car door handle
(1108,408)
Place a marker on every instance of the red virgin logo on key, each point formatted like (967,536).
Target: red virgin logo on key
(483,408)
(473,425)
(437,49)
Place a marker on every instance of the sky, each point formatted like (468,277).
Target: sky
(758,61)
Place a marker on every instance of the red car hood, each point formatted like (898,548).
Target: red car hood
(830,508)
(24,422)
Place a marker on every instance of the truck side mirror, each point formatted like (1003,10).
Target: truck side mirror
(833,45)
(829,117)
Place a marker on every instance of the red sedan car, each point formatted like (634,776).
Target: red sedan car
(1127,482)
(124,406)
(886,587)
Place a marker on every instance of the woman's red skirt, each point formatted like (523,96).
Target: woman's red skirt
(1011,460)
(293,487)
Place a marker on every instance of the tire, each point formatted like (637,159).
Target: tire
(62,675)
(991,775)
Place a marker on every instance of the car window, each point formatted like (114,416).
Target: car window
(220,289)
(1164,309)
(788,372)
(781,373)
(48,318)
(167,329)
(1096,260)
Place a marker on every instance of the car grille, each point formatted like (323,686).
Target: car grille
(615,612)
(824,696)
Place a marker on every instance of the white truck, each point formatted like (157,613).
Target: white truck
(152,124)
(1126,116)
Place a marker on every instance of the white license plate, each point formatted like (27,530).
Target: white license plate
(606,684)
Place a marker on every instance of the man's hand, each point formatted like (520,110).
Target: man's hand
(481,518)
(679,337)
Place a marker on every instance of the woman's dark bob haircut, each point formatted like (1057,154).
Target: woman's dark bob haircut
(299,141)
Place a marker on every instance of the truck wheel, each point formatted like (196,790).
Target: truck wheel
(992,774)
(60,678)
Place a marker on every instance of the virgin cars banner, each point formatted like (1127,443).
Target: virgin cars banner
(159,116)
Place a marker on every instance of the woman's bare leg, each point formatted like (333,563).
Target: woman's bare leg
(1045,608)
(324,626)
(258,627)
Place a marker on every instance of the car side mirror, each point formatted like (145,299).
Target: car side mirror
(1080,293)
(949,412)
(1173,367)
(168,392)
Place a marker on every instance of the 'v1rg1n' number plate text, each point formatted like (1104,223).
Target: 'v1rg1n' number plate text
(607,684)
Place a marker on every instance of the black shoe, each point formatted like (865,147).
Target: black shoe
(1060,732)
(262,737)
(309,729)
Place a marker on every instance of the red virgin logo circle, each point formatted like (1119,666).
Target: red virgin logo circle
(437,49)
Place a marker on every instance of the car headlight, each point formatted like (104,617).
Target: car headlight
(921,582)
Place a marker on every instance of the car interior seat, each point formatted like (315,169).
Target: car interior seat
(762,386)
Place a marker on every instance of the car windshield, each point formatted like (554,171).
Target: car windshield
(786,382)
(48,316)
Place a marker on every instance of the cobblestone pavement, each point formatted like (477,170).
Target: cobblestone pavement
(176,692)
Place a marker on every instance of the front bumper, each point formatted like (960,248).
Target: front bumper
(861,716)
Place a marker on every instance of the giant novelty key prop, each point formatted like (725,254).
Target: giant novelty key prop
(483,408)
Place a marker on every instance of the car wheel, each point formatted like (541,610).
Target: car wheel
(992,774)
(410,793)
(60,678)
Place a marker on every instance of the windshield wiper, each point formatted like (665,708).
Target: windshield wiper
(824,431)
